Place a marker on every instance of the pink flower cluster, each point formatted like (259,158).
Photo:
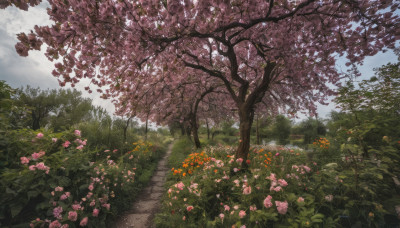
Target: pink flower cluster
(282,207)
(276,185)
(267,201)
(301,168)
(40,166)
(180,186)
(36,156)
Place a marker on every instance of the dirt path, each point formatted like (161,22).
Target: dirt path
(144,209)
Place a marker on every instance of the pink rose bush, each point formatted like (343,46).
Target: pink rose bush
(82,189)
(261,192)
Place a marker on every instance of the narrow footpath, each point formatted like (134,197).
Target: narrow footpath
(149,200)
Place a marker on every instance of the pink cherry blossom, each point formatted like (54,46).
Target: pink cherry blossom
(138,60)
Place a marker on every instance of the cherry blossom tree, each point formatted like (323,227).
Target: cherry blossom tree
(280,53)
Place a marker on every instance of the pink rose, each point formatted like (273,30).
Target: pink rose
(73,216)
(276,189)
(247,190)
(282,182)
(79,147)
(242,213)
(55,224)
(282,207)
(84,221)
(77,132)
(189,208)
(180,185)
(106,205)
(32,167)
(54,140)
(59,189)
(221,216)
(96,212)
(267,201)
(300,199)
(271,177)
(76,207)
(253,208)
(329,198)
(39,135)
(42,166)
(226,207)
(24,160)
(66,144)
(63,197)
(57,212)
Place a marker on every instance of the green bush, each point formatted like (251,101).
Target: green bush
(56,179)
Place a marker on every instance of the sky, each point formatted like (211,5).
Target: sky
(35,70)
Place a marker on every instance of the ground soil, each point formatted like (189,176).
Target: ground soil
(149,201)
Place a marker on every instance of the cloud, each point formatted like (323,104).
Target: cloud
(34,70)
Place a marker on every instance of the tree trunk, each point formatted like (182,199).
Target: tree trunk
(246,116)
(126,128)
(188,133)
(208,129)
(145,130)
(182,129)
(35,121)
(257,132)
(195,129)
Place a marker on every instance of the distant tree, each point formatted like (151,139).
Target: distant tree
(281,129)
(310,128)
(41,104)
(72,108)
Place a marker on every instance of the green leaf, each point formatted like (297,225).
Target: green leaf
(16,209)
(32,194)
